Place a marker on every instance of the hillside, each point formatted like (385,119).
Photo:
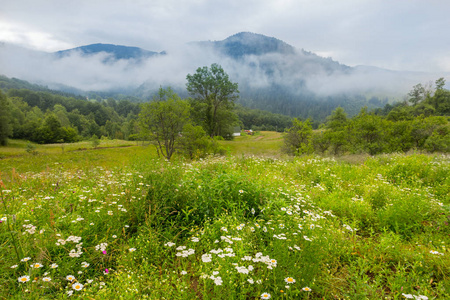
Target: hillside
(272,75)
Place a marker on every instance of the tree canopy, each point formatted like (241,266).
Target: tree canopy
(214,96)
(163,119)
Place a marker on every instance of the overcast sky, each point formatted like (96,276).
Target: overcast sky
(396,34)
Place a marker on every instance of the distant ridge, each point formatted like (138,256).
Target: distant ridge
(117,51)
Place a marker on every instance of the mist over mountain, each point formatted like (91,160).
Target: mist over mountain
(116,51)
(272,74)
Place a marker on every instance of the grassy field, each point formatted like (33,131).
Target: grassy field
(119,223)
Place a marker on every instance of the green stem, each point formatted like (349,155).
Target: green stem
(10,230)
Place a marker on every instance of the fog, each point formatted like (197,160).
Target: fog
(295,72)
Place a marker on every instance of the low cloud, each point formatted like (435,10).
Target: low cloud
(295,72)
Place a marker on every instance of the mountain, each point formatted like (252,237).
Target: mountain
(272,75)
(247,43)
(116,51)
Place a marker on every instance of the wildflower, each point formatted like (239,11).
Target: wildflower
(46,279)
(306,289)
(435,252)
(101,247)
(183,272)
(25,259)
(289,280)
(195,239)
(36,265)
(265,296)
(13,267)
(70,277)
(251,281)
(77,286)
(84,264)
(408,296)
(53,266)
(114,236)
(241,191)
(106,271)
(206,258)
(132,249)
(24,279)
(4,219)
(69,293)
(169,244)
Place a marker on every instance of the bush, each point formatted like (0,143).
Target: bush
(192,198)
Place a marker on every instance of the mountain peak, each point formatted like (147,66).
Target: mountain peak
(248,43)
(117,51)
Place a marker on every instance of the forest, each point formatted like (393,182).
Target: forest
(34,113)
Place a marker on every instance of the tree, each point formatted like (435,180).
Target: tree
(194,143)
(5,126)
(163,119)
(417,95)
(337,120)
(214,96)
(298,138)
(441,98)
(337,131)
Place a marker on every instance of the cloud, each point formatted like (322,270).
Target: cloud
(396,35)
(293,72)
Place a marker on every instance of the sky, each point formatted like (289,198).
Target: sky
(395,34)
(408,36)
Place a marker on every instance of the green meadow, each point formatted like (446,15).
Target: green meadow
(117,222)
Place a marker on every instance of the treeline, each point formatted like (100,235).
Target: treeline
(282,100)
(48,117)
(44,117)
(420,123)
(261,120)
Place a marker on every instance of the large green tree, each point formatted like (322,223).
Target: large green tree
(163,120)
(214,97)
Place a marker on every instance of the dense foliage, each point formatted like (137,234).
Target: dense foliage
(33,110)
(424,125)
(213,100)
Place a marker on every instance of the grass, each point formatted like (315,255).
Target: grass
(127,225)
(19,147)
(266,143)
